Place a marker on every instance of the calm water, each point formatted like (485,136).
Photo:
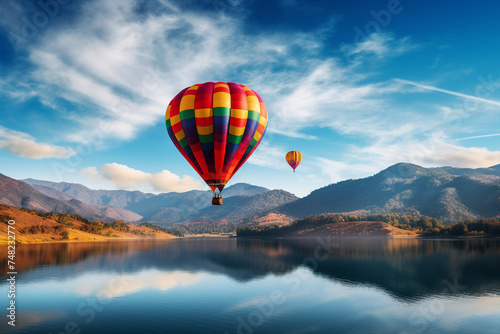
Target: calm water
(258,286)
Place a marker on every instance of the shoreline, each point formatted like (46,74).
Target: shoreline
(208,235)
(226,236)
(102,239)
(360,236)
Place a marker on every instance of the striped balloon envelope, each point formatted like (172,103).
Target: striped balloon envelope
(216,127)
(293,158)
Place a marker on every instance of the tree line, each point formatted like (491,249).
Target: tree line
(196,228)
(423,225)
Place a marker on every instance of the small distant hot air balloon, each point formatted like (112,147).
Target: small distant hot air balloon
(216,127)
(293,158)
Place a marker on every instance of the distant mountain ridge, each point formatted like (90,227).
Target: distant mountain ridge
(241,200)
(116,198)
(22,195)
(447,193)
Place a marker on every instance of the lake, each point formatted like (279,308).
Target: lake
(229,285)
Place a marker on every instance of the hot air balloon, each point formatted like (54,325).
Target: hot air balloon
(293,158)
(216,127)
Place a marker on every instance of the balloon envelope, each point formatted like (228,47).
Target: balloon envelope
(216,127)
(293,158)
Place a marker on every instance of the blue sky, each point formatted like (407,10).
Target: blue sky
(356,86)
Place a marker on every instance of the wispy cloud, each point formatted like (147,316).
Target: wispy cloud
(290,133)
(25,146)
(469,157)
(436,89)
(381,45)
(122,72)
(334,170)
(434,150)
(268,155)
(121,69)
(125,177)
(329,96)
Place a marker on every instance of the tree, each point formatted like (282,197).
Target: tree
(459,229)
(425,224)
(65,219)
(5,219)
(65,234)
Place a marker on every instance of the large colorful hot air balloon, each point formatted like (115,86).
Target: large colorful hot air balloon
(293,158)
(216,127)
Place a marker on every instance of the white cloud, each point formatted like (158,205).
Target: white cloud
(268,156)
(329,96)
(458,156)
(379,44)
(290,133)
(25,146)
(125,177)
(333,169)
(91,173)
(433,151)
(122,71)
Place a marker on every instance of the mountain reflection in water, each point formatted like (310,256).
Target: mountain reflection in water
(408,272)
(404,268)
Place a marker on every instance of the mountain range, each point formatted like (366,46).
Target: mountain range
(240,201)
(22,195)
(447,193)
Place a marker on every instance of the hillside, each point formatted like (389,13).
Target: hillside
(335,224)
(22,195)
(243,189)
(449,194)
(30,227)
(238,208)
(360,228)
(269,219)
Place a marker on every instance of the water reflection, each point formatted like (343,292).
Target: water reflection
(406,269)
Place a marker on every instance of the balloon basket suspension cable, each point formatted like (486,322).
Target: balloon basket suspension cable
(217,198)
